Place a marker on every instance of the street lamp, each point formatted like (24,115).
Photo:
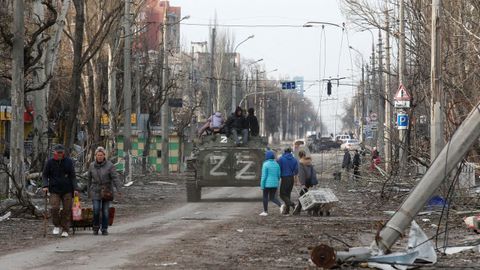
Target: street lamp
(311,24)
(234,86)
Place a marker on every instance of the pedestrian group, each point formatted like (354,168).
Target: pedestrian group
(60,184)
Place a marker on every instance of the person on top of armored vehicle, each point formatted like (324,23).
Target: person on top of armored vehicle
(252,122)
(214,124)
(238,123)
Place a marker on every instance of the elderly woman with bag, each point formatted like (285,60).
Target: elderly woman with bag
(102,177)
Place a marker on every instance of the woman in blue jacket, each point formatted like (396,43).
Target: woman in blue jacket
(269,181)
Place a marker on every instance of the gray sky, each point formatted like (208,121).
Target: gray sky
(294,51)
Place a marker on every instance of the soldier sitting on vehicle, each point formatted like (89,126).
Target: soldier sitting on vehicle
(252,122)
(214,124)
(237,123)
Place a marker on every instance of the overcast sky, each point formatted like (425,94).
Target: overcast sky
(294,51)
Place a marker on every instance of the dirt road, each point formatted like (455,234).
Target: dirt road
(128,240)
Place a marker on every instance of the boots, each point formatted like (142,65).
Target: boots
(95,230)
(297,209)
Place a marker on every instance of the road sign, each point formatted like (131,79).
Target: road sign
(402,121)
(175,102)
(368,132)
(374,116)
(402,104)
(402,94)
(288,85)
(374,125)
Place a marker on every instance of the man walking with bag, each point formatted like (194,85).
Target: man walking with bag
(59,180)
(289,169)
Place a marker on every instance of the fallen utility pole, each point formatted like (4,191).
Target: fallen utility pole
(448,159)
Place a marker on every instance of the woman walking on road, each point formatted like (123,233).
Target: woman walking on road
(269,181)
(307,176)
(102,177)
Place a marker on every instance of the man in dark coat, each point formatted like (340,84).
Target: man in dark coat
(252,122)
(237,123)
(356,165)
(346,164)
(59,180)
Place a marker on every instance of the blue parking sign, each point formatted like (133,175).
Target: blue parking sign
(288,85)
(402,121)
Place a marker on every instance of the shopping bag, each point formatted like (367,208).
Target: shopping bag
(76,209)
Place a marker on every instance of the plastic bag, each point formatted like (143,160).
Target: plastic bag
(76,209)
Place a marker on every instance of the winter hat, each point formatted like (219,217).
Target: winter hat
(59,148)
(269,155)
(100,149)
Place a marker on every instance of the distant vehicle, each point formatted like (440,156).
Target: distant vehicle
(322,144)
(351,144)
(342,138)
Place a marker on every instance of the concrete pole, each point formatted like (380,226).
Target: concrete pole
(193,96)
(165,110)
(448,159)
(264,112)
(437,101)
(17,93)
(210,94)
(381,96)
(137,88)
(280,113)
(127,92)
(372,93)
(388,98)
(255,91)
(402,133)
(234,90)
(362,122)
(289,117)
(246,91)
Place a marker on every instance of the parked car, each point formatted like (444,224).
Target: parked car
(351,144)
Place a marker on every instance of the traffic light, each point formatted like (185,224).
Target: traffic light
(329,88)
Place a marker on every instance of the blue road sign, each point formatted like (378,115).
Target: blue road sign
(402,121)
(288,85)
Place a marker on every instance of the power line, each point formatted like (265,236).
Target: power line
(246,25)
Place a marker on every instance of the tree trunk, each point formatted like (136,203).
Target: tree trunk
(40,121)
(17,166)
(76,74)
(112,98)
(97,100)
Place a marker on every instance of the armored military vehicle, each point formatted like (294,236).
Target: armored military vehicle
(217,162)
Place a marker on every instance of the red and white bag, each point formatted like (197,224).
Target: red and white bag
(76,209)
